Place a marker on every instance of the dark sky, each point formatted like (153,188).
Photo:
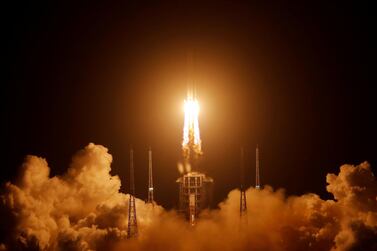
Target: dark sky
(298,79)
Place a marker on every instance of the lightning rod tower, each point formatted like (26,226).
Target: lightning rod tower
(132,221)
(243,208)
(150,178)
(257,179)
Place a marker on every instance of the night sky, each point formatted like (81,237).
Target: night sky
(297,79)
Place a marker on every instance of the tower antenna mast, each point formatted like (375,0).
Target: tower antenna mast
(257,178)
(150,178)
(243,208)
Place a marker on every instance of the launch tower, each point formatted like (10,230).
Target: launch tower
(150,178)
(132,230)
(243,208)
(257,179)
(195,194)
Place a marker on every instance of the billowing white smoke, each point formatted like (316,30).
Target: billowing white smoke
(81,210)
(84,210)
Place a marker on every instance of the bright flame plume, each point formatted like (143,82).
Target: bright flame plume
(191,143)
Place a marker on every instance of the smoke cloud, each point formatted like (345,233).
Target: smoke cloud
(84,210)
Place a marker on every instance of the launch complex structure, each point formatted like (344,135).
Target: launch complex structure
(195,188)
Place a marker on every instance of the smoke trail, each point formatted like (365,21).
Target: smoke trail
(84,210)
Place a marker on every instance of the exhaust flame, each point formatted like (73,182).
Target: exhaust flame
(191,143)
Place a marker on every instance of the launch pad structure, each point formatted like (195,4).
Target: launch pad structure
(195,194)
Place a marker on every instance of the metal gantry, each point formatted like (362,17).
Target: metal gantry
(132,230)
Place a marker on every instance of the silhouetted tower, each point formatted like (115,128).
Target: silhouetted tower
(257,179)
(150,178)
(243,209)
(132,221)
